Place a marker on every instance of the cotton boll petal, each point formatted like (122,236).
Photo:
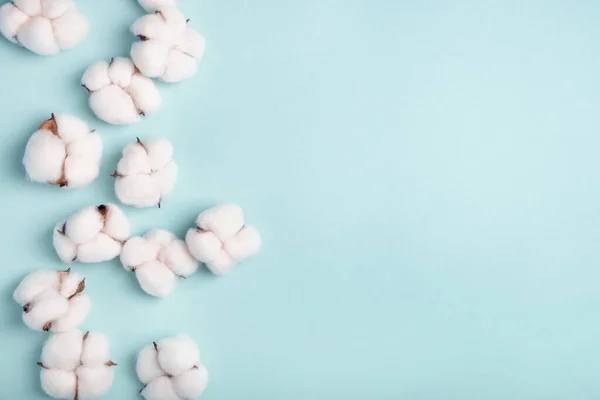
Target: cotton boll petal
(79,308)
(160,389)
(137,251)
(113,105)
(243,245)
(137,190)
(70,128)
(134,161)
(37,35)
(192,383)
(11,19)
(34,284)
(225,220)
(147,366)
(94,381)
(81,170)
(65,248)
(175,21)
(204,246)
(52,9)
(45,307)
(84,225)
(117,225)
(161,237)
(63,350)
(155,279)
(96,350)
(58,383)
(153,5)
(191,43)
(144,93)
(99,249)
(96,76)
(70,29)
(222,264)
(29,7)
(150,57)
(89,145)
(178,354)
(120,71)
(178,258)
(165,179)
(159,152)
(179,67)
(150,26)
(44,157)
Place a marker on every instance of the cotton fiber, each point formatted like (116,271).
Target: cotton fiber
(158,259)
(171,370)
(53,300)
(43,26)
(76,365)
(119,94)
(167,48)
(146,173)
(92,235)
(153,5)
(64,152)
(221,239)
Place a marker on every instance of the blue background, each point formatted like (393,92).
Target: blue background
(424,175)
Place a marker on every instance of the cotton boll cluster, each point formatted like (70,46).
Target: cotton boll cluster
(43,26)
(76,365)
(168,48)
(119,94)
(53,300)
(157,259)
(92,235)
(171,370)
(64,151)
(221,239)
(146,173)
(153,5)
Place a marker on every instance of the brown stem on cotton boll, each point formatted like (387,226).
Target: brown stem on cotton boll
(102,209)
(47,326)
(187,21)
(50,125)
(62,182)
(110,364)
(140,143)
(26,308)
(143,38)
(116,174)
(39,364)
(86,335)
(63,231)
(80,289)
(86,88)
(142,113)
(155,346)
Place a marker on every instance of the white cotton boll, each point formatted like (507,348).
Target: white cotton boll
(155,279)
(225,220)
(178,354)
(65,248)
(222,264)
(147,367)
(153,5)
(96,349)
(58,383)
(119,94)
(178,258)
(43,26)
(34,284)
(84,225)
(116,223)
(94,381)
(146,173)
(161,388)
(45,308)
(70,128)
(45,154)
(101,248)
(79,308)
(168,49)
(192,383)
(160,236)
(204,246)
(63,350)
(243,245)
(137,251)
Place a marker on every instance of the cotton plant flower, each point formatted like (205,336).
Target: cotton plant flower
(119,93)
(64,152)
(221,239)
(158,258)
(43,26)
(53,300)
(76,366)
(146,173)
(92,235)
(171,370)
(153,5)
(167,49)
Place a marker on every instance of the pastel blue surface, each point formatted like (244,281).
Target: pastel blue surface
(424,175)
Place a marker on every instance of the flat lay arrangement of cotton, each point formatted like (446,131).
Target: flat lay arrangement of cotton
(167,48)
(93,234)
(53,300)
(119,93)
(64,152)
(146,172)
(158,259)
(43,26)
(76,365)
(170,369)
(221,239)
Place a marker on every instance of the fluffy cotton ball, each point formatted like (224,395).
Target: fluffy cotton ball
(146,173)
(92,235)
(221,240)
(119,94)
(168,48)
(153,5)
(76,365)
(157,259)
(43,26)
(53,300)
(63,152)
(170,370)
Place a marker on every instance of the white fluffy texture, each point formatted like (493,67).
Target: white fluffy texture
(146,173)
(119,94)
(76,365)
(221,240)
(168,48)
(153,5)
(43,26)
(171,370)
(157,259)
(53,300)
(92,235)
(64,151)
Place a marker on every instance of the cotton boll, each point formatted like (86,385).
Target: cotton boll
(94,381)
(147,367)
(58,383)
(101,248)
(84,225)
(161,237)
(63,350)
(146,173)
(155,279)
(222,264)
(204,246)
(43,26)
(95,350)
(116,223)
(161,388)
(137,251)
(178,354)
(65,248)
(44,157)
(119,94)
(34,284)
(192,383)
(168,49)
(178,258)
(243,245)
(43,309)
(79,308)
(153,5)
(225,220)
